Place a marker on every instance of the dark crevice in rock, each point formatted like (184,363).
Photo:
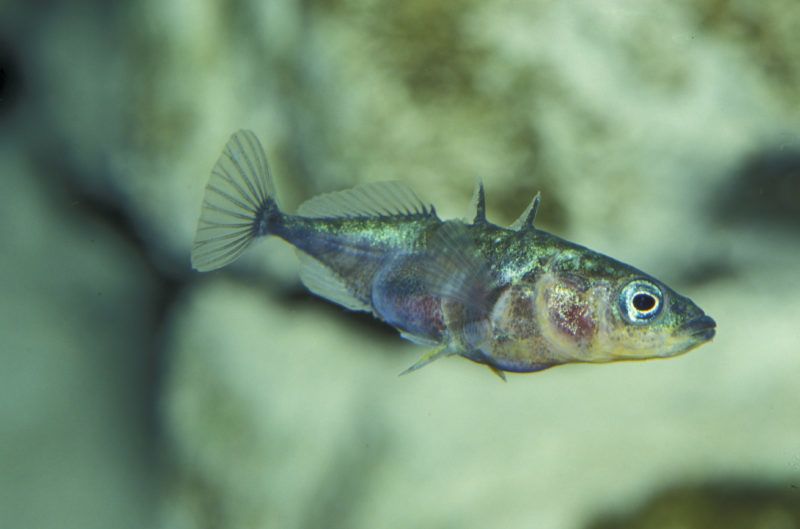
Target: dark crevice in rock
(11,80)
(106,208)
(765,188)
(299,298)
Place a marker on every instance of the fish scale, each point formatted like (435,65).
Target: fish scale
(516,299)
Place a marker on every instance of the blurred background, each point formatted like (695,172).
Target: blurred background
(137,393)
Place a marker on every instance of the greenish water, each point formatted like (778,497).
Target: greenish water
(138,393)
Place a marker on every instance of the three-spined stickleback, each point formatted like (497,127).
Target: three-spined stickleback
(515,299)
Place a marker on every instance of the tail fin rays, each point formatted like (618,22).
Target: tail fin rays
(239,200)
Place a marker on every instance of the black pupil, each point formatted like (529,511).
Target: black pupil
(644,302)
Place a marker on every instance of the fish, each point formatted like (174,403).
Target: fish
(516,299)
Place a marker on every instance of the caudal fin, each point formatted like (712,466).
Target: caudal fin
(238,205)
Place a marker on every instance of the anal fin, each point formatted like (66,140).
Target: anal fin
(323,282)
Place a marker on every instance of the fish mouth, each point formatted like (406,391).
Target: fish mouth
(702,328)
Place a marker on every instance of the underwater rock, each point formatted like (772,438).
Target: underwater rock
(735,505)
(630,118)
(627,117)
(76,321)
(271,399)
(267,427)
(765,190)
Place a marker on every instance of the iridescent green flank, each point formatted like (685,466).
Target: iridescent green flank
(515,299)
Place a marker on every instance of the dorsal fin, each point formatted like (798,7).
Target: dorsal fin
(379,199)
(478,204)
(528,216)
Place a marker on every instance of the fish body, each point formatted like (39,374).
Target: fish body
(516,299)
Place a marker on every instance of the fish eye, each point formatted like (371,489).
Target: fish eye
(644,302)
(640,301)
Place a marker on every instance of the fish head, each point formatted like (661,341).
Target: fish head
(647,319)
(597,309)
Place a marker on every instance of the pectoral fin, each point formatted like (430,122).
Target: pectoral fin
(452,269)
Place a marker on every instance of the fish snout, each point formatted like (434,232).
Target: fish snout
(702,328)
